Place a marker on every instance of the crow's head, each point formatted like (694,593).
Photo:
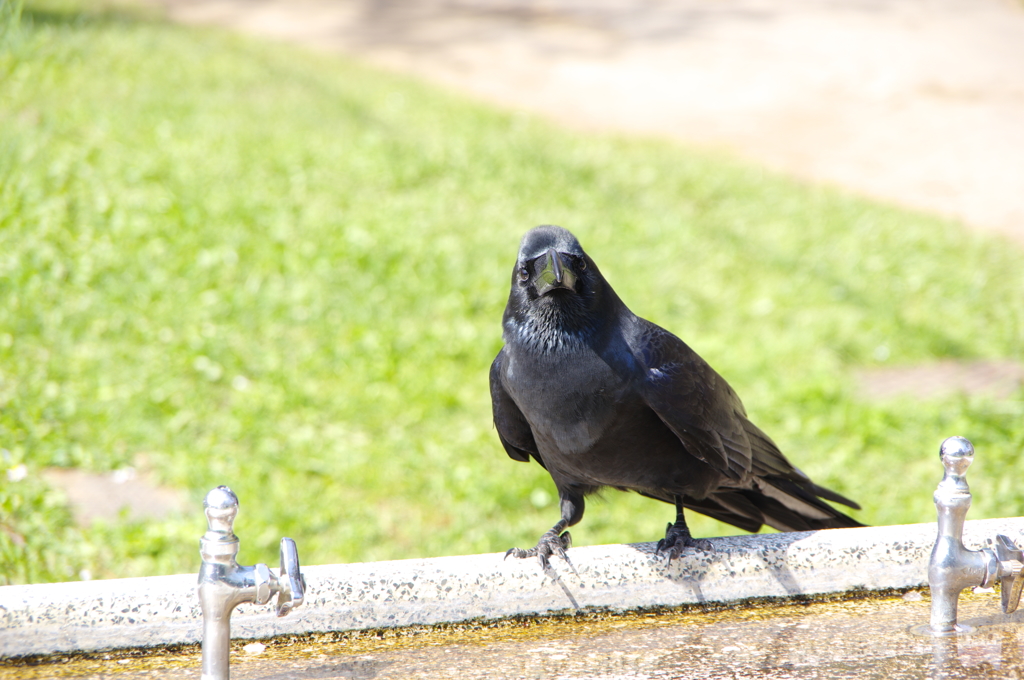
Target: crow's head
(554,282)
(550,263)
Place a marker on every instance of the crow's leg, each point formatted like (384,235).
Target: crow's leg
(677,536)
(554,541)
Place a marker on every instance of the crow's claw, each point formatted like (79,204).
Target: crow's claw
(676,540)
(549,544)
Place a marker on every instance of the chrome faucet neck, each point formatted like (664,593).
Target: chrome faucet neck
(224,584)
(953,567)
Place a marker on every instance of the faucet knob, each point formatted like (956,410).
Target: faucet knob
(219,545)
(221,508)
(957,454)
(291,581)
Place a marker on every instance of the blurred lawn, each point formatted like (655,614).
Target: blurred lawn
(285,272)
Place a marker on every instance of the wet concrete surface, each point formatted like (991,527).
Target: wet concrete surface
(868,638)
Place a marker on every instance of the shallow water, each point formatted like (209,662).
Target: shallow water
(867,638)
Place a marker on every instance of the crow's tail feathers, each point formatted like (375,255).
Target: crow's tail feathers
(783,504)
(781,496)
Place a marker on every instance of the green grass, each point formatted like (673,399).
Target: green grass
(285,272)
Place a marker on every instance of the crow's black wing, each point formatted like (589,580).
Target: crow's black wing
(693,401)
(513,429)
(708,417)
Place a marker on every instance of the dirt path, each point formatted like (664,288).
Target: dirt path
(918,102)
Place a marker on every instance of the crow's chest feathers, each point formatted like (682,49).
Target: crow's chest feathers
(569,399)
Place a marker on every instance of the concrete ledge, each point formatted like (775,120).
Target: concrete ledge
(162,610)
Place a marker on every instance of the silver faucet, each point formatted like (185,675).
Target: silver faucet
(952,566)
(223,584)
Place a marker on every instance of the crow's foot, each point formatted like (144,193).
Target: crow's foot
(549,544)
(678,539)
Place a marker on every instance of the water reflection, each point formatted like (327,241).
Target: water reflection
(987,654)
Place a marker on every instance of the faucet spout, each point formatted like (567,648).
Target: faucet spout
(224,584)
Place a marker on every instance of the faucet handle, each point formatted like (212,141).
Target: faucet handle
(292,583)
(1011,562)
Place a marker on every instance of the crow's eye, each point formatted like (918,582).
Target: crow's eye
(523,274)
(582,264)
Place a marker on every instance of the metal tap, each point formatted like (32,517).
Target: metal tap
(224,584)
(952,566)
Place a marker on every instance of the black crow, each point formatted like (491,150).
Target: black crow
(603,398)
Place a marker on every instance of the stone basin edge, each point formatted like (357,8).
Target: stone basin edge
(164,610)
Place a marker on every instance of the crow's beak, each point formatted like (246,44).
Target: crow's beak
(556,274)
